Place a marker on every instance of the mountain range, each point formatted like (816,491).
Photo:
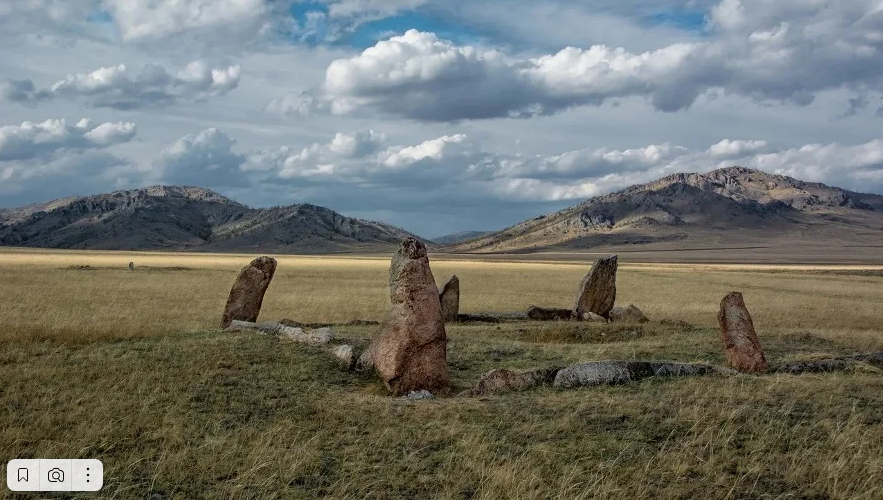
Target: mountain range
(728,207)
(189,218)
(733,207)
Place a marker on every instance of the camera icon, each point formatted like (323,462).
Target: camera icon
(56,476)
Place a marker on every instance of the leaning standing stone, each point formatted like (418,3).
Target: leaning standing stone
(597,292)
(410,353)
(449,297)
(742,347)
(248,290)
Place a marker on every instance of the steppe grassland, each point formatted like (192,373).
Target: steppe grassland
(125,366)
(52,295)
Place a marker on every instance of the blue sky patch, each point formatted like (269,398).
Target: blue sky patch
(682,19)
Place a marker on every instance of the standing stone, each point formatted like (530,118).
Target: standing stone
(449,297)
(410,353)
(248,290)
(741,344)
(597,292)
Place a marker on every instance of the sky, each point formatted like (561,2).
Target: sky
(436,116)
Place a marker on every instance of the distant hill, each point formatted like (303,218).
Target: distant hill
(460,237)
(188,218)
(727,207)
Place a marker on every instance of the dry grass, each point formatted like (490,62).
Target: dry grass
(48,296)
(124,366)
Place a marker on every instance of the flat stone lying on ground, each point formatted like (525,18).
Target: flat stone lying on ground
(317,337)
(500,381)
(628,314)
(247,293)
(410,353)
(620,372)
(449,298)
(417,395)
(741,345)
(548,314)
(593,318)
(597,291)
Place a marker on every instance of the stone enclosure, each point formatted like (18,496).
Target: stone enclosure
(409,352)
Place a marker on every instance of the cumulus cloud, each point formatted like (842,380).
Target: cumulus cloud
(455,163)
(202,159)
(46,139)
(117,87)
(55,158)
(734,149)
(766,51)
(154,19)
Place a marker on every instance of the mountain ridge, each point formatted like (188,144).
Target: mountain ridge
(165,217)
(696,208)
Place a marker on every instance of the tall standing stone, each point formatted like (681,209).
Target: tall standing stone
(247,294)
(410,353)
(597,292)
(449,297)
(742,347)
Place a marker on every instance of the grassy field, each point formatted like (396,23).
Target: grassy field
(126,366)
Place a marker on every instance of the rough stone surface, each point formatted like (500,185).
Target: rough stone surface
(365,363)
(319,336)
(410,353)
(346,356)
(417,395)
(741,345)
(628,314)
(248,290)
(449,297)
(597,292)
(621,372)
(501,380)
(593,318)
(548,314)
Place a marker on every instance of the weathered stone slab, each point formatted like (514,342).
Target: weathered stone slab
(549,314)
(628,314)
(449,298)
(621,372)
(741,345)
(410,353)
(501,380)
(597,291)
(247,294)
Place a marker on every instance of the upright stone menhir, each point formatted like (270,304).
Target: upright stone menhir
(410,353)
(597,292)
(247,294)
(449,297)
(742,347)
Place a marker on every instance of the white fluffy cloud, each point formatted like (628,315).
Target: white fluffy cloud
(769,52)
(46,139)
(58,158)
(117,87)
(204,159)
(455,160)
(154,19)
